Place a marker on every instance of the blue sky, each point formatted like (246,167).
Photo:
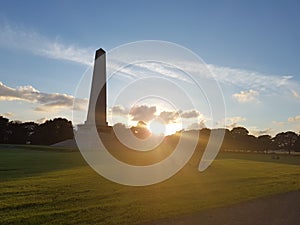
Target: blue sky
(45,47)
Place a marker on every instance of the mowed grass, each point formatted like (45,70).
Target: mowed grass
(42,185)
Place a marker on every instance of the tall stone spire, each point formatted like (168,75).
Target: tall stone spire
(97,103)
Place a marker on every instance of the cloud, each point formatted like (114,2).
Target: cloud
(235,119)
(197,126)
(190,114)
(28,40)
(7,115)
(250,79)
(246,96)
(169,116)
(118,110)
(231,122)
(14,36)
(278,123)
(165,70)
(243,79)
(46,101)
(295,94)
(143,112)
(294,119)
(256,132)
(143,69)
(147,113)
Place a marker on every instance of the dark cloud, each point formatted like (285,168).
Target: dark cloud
(143,112)
(190,114)
(118,110)
(169,116)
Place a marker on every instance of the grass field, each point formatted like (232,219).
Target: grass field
(43,185)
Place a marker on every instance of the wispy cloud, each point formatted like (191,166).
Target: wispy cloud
(246,96)
(295,94)
(7,115)
(142,69)
(278,123)
(231,122)
(256,132)
(45,101)
(246,79)
(235,119)
(197,126)
(240,78)
(294,119)
(13,36)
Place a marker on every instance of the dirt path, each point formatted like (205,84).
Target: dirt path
(283,209)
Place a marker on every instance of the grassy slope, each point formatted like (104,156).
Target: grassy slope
(42,186)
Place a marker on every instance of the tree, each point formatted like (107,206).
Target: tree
(3,129)
(265,142)
(286,140)
(251,142)
(239,131)
(140,130)
(52,131)
(240,138)
(296,146)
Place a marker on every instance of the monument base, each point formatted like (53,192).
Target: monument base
(89,136)
(104,129)
(100,128)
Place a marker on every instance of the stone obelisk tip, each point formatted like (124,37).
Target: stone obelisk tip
(99,52)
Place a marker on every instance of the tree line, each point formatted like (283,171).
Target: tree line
(47,133)
(60,129)
(239,139)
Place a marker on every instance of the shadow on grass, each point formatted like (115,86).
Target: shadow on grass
(18,161)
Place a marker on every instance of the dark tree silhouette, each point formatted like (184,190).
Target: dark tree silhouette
(239,132)
(265,142)
(140,130)
(59,129)
(52,131)
(19,133)
(3,129)
(297,144)
(239,138)
(286,140)
(251,142)
(205,131)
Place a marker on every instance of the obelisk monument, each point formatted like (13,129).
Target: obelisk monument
(98,100)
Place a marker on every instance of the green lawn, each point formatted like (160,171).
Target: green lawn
(43,185)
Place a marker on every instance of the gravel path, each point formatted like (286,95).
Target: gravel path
(283,209)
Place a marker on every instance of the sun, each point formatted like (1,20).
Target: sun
(172,128)
(157,127)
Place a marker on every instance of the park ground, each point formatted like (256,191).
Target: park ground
(50,185)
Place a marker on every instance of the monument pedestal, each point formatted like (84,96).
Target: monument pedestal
(100,128)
